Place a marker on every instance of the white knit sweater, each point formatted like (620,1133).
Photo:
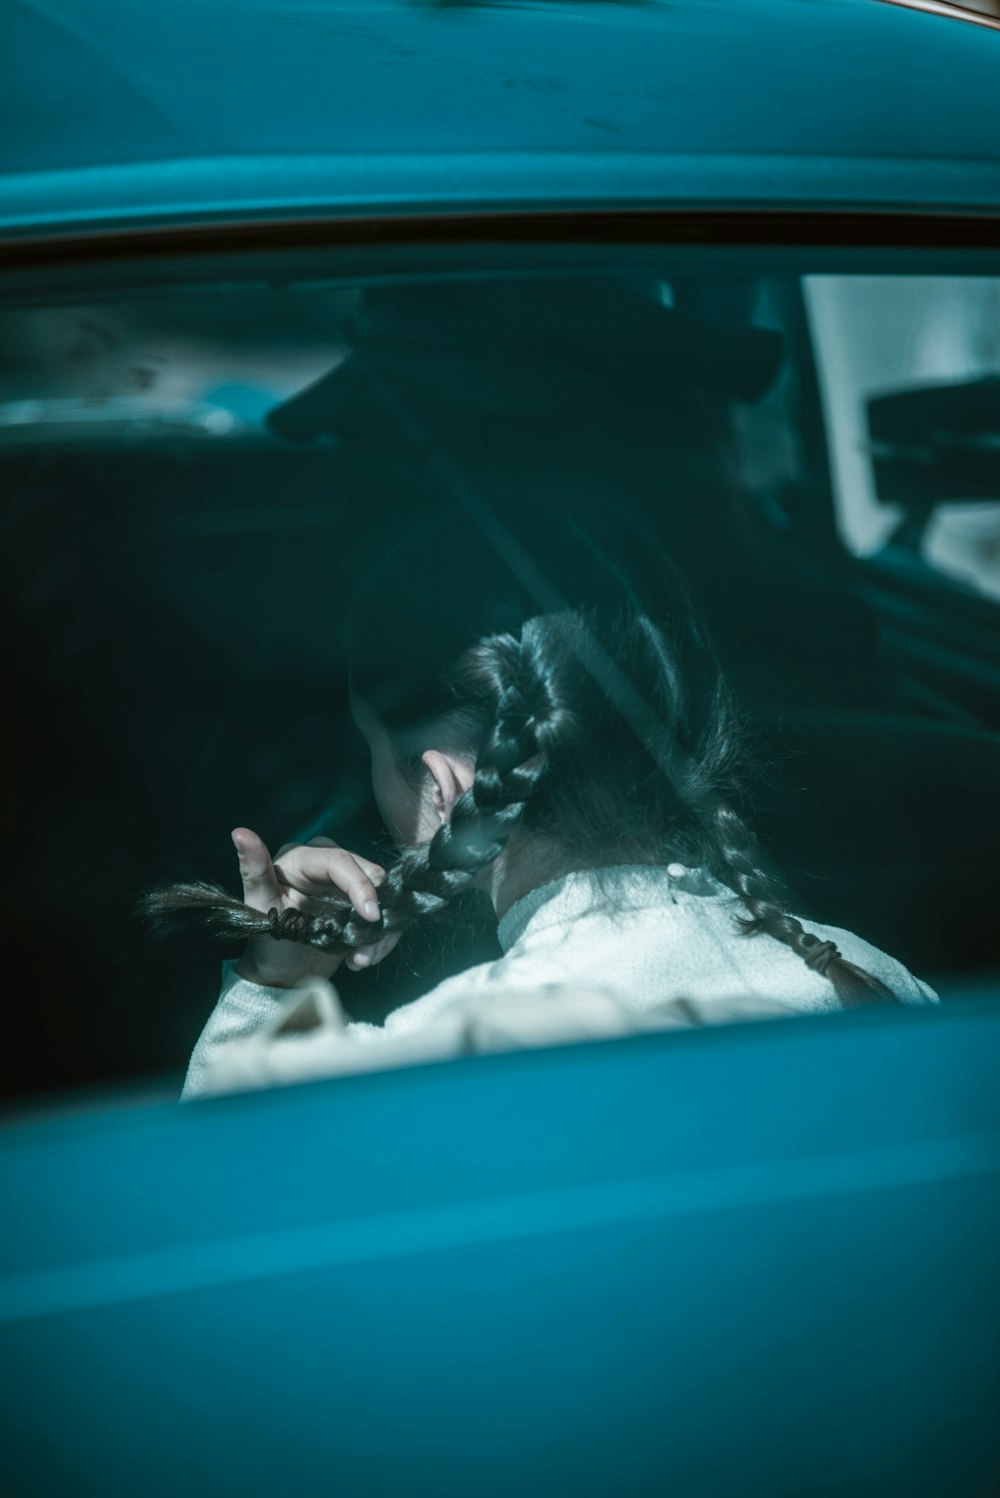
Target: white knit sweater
(647,935)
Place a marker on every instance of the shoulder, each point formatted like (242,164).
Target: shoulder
(522,968)
(888,970)
(482,978)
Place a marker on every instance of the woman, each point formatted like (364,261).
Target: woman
(547,723)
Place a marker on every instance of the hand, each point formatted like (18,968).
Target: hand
(298,878)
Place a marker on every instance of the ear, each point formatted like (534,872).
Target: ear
(450,776)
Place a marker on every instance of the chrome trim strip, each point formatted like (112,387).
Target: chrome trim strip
(945,8)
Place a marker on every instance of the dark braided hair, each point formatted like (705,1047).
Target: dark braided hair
(590,701)
(739,858)
(523,717)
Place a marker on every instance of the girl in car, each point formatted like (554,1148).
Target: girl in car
(547,723)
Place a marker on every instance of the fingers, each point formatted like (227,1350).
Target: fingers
(369,956)
(302,872)
(375,871)
(261,890)
(314,869)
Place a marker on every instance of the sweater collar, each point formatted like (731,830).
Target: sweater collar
(601,892)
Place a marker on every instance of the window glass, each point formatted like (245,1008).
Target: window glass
(883,335)
(200,470)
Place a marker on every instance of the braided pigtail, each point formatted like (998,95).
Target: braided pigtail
(523,720)
(201,903)
(528,721)
(707,763)
(602,731)
(740,859)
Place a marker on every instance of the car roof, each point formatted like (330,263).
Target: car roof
(126,112)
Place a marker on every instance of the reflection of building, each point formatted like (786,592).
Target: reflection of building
(879,334)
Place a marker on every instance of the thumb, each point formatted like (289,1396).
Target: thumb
(260,884)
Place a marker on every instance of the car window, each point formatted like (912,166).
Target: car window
(202,463)
(926,487)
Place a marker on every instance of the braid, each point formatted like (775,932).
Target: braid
(671,778)
(527,721)
(703,771)
(740,860)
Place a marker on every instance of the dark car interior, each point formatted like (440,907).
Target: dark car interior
(173,604)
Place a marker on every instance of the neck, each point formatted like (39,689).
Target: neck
(521,869)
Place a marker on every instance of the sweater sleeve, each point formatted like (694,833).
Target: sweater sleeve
(241,1008)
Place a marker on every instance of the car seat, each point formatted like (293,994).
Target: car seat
(888,826)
